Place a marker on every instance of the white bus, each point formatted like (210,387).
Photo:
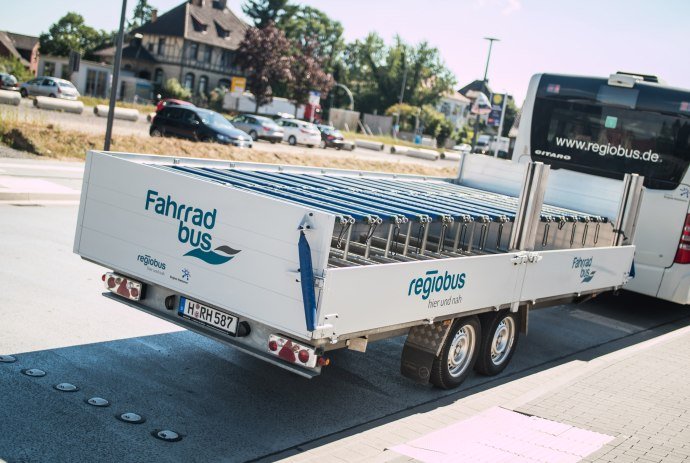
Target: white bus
(594,130)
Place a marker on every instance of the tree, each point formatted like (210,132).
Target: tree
(377,72)
(264,12)
(509,116)
(435,124)
(405,115)
(141,15)
(71,33)
(12,65)
(309,26)
(265,55)
(307,75)
(173,89)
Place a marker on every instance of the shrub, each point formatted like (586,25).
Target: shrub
(173,89)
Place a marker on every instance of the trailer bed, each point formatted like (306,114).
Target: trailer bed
(326,255)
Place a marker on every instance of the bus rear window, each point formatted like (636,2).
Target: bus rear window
(610,138)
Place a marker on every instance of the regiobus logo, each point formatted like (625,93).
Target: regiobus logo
(194,228)
(433,282)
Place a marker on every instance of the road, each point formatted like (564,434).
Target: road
(227,406)
(88,122)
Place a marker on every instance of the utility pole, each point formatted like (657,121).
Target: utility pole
(400,100)
(116,77)
(484,82)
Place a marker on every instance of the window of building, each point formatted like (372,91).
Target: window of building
(203,85)
(198,25)
(49,69)
(189,81)
(227,58)
(193,51)
(96,83)
(161,46)
(149,47)
(222,32)
(207,54)
(445,109)
(224,83)
(158,76)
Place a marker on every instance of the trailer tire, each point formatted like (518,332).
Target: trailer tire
(458,354)
(499,340)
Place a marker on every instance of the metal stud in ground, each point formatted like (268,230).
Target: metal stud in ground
(35,372)
(7,359)
(130,417)
(66,387)
(97,402)
(166,435)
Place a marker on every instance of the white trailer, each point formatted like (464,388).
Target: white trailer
(289,263)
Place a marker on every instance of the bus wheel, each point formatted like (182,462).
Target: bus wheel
(499,341)
(458,354)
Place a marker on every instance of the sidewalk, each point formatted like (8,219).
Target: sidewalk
(631,405)
(39,180)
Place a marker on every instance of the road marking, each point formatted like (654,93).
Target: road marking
(32,185)
(628,328)
(40,167)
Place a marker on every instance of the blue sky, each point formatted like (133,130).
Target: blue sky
(590,37)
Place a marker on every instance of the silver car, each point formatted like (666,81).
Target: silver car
(49,86)
(259,127)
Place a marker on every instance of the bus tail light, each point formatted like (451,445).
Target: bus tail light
(683,253)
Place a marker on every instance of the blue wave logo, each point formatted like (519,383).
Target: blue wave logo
(224,254)
(587,276)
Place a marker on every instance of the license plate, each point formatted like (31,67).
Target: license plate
(208,316)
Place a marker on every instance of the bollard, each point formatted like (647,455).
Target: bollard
(10,97)
(451,155)
(370,145)
(126,114)
(399,149)
(57,104)
(423,154)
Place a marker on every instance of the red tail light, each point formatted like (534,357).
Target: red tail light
(265,128)
(59,91)
(305,131)
(683,253)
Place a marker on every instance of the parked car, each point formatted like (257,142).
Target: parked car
(49,86)
(259,127)
(463,148)
(331,137)
(171,101)
(301,132)
(8,82)
(197,124)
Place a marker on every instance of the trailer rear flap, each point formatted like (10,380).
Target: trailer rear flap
(225,246)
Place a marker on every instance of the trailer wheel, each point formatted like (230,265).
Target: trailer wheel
(498,344)
(458,354)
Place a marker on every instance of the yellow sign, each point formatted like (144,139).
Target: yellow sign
(497,99)
(237,85)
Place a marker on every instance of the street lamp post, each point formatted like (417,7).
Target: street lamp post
(116,77)
(486,72)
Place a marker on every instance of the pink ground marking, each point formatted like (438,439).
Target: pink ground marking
(500,435)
